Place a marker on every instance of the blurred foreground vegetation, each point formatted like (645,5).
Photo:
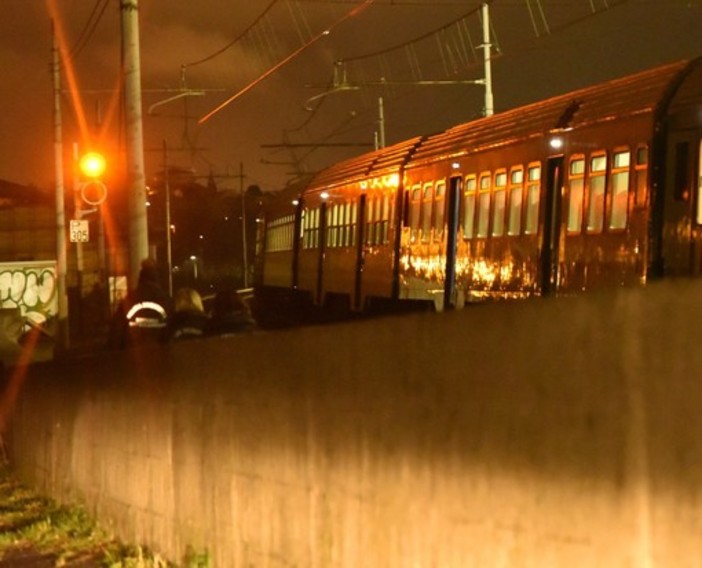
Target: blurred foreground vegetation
(35,531)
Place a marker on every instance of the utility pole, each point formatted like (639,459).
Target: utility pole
(136,178)
(61,255)
(381,124)
(243,225)
(487,46)
(169,243)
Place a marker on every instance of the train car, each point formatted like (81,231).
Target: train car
(599,187)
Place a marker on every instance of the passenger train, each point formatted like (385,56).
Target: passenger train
(598,187)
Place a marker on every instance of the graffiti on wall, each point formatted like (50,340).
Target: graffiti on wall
(31,287)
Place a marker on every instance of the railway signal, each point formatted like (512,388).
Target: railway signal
(92,190)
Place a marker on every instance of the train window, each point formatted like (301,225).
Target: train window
(531,222)
(384,220)
(499,199)
(370,226)
(279,234)
(415,205)
(349,222)
(576,184)
(427,203)
(314,224)
(439,210)
(681,189)
(698,213)
(516,186)
(311,228)
(621,162)
(483,206)
(596,195)
(332,225)
(469,207)
(353,223)
(641,174)
(378,221)
(305,228)
(345,224)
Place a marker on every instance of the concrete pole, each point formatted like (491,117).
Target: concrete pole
(61,255)
(243,226)
(489,104)
(169,241)
(136,179)
(381,123)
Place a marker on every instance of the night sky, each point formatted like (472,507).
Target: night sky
(567,48)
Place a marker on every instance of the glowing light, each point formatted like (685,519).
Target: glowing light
(556,143)
(324,195)
(92,164)
(455,166)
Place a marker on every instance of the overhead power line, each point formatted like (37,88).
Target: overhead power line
(354,12)
(234,41)
(89,28)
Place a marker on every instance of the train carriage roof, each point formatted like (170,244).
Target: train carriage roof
(635,94)
(380,162)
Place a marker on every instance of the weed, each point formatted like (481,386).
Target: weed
(32,524)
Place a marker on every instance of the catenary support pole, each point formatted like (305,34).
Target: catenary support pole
(136,179)
(61,255)
(489,103)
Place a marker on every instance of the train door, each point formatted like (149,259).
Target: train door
(682,246)
(297,244)
(319,293)
(360,250)
(550,237)
(454,195)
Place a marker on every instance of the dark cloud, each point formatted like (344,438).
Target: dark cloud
(623,39)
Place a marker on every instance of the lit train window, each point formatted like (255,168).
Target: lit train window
(596,194)
(314,228)
(439,210)
(531,221)
(427,204)
(576,185)
(279,234)
(384,219)
(619,182)
(353,223)
(332,217)
(348,225)
(370,226)
(343,208)
(469,207)
(499,200)
(305,231)
(309,234)
(516,187)
(641,174)
(415,209)
(483,206)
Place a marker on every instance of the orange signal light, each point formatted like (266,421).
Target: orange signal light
(92,164)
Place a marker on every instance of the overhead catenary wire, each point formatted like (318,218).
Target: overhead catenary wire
(96,15)
(354,12)
(234,41)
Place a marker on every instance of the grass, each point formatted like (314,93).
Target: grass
(33,527)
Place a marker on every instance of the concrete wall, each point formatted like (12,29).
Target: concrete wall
(548,433)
